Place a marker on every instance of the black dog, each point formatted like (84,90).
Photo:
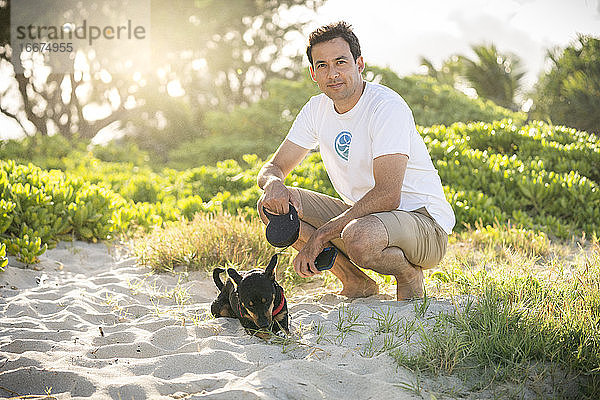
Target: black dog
(255,299)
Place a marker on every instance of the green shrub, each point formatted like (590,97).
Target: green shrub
(38,208)
(554,148)
(498,236)
(539,177)
(569,91)
(142,188)
(46,152)
(27,246)
(54,152)
(30,190)
(6,214)
(434,103)
(120,151)
(3,259)
(563,200)
(91,214)
(190,206)
(213,148)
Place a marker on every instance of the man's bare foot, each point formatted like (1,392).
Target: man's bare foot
(413,288)
(364,288)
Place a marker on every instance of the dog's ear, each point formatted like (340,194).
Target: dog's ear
(234,275)
(217,278)
(270,270)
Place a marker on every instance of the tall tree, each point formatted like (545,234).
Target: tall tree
(49,99)
(569,93)
(237,45)
(495,76)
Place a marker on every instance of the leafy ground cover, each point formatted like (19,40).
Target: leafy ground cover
(538,177)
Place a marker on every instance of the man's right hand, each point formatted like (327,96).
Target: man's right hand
(271,176)
(277,198)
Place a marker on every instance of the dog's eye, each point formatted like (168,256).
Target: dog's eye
(264,300)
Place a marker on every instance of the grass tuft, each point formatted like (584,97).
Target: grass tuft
(499,237)
(513,318)
(212,240)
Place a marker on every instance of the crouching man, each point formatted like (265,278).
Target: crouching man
(394,218)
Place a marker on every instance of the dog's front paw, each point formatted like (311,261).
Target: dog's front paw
(264,335)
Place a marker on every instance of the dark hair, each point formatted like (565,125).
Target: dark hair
(329,32)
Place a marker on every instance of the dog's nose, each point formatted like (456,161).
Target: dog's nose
(263,323)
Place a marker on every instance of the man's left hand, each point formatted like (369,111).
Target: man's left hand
(304,263)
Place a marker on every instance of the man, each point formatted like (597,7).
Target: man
(394,218)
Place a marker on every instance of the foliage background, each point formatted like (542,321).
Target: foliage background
(238,87)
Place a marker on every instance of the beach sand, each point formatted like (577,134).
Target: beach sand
(86,322)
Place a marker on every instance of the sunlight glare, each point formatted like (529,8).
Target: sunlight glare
(174,88)
(199,63)
(105,76)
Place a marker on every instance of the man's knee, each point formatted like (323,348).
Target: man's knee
(364,239)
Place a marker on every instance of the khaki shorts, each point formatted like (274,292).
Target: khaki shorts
(422,240)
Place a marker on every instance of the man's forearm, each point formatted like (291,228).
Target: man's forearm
(375,200)
(268,173)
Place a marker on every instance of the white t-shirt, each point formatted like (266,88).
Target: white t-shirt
(380,123)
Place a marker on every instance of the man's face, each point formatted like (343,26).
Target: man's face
(336,72)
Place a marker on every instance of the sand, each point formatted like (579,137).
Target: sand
(86,322)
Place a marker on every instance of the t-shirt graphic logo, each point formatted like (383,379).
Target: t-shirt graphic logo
(342,144)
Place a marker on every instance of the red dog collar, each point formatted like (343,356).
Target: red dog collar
(280,306)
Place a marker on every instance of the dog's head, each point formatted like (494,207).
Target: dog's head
(256,292)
